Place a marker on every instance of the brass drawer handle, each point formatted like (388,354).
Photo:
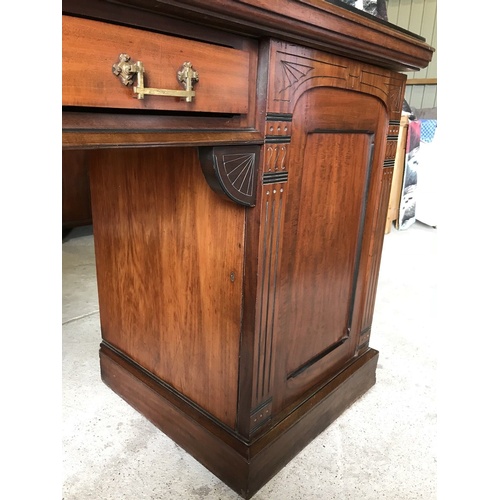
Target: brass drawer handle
(126,70)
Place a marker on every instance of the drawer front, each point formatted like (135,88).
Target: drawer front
(91,48)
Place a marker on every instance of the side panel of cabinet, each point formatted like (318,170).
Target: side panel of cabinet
(169,256)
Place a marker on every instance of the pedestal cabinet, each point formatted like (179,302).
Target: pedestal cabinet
(240,158)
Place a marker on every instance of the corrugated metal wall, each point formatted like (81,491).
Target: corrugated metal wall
(418,16)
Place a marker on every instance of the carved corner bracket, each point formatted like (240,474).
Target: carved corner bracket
(231,171)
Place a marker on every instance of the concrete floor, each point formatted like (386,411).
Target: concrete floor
(382,447)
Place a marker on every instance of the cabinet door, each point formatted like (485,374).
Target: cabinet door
(335,158)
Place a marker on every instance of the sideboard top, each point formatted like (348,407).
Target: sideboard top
(314,23)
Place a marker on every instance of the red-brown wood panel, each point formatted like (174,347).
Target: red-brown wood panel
(91,48)
(169,255)
(336,134)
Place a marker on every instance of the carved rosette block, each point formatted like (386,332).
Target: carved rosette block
(231,171)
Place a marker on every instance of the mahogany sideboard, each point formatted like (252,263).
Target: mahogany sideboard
(240,157)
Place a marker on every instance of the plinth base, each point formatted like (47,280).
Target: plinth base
(243,466)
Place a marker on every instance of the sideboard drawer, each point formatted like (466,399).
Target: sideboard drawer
(91,48)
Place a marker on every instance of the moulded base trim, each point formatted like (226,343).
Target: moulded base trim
(244,467)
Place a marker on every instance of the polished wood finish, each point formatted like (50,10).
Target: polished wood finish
(324,228)
(170,273)
(238,248)
(245,467)
(90,48)
(313,23)
(76,206)
(232,171)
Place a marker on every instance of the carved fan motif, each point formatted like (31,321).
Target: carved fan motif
(293,72)
(240,170)
(394,97)
(231,171)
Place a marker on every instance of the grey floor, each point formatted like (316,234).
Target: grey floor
(382,447)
